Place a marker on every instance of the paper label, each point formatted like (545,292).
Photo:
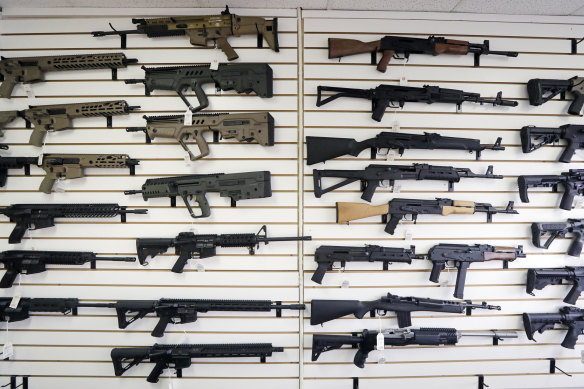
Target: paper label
(381,360)
(579,202)
(345,284)
(403,81)
(396,189)
(188,120)
(199,266)
(390,155)
(395,126)
(187,159)
(215,60)
(60,185)
(409,235)
(7,351)
(15,299)
(29,91)
(380,341)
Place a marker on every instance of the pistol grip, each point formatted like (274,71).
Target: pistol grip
(158,331)
(7,87)
(379,106)
(370,189)
(568,198)
(384,61)
(571,338)
(180,263)
(573,295)
(392,223)
(37,137)
(201,144)
(8,279)
(18,232)
(225,47)
(576,106)
(436,269)
(568,151)
(157,371)
(47,184)
(319,273)
(575,248)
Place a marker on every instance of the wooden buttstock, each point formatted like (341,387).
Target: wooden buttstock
(353,211)
(340,47)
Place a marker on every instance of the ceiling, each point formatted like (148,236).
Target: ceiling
(531,7)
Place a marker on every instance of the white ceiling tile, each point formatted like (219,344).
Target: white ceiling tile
(394,5)
(530,7)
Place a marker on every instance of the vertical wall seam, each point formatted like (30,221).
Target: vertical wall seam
(300,66)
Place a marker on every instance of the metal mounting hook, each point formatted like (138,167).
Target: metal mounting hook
(482,384)
(553,367)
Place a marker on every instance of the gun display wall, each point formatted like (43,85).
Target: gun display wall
(153,271)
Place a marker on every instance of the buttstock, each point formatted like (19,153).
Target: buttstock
(338,47)
(354,211)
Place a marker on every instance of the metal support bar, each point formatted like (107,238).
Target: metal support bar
(553,367)
(355,382)
(482,384)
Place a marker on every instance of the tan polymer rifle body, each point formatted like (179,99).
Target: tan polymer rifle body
(244,127)
(59,117)
(31,69)
(68,166)
(204,28)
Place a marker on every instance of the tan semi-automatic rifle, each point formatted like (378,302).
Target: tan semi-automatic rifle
(59,117)
(244,127)
(204,28)
(29,70)
(67,166)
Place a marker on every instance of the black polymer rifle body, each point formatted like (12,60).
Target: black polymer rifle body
(15,163)
(395,96)
(559,230)
(178,356)
(542,90)
(37,216)
(572,181)
(373,176)
(181,311)
(241,77)
(188,245)
(32,262)
(540,278)
(322,149)
(463,255)
(27,305)
(237,186)
(367,340)
(571,317)
(326,256)
(30,70)
(327,310)
(572,133)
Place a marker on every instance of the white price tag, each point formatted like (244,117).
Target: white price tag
(409,235)
(15,299)
(380,341)
(396,188)
(60,185)
(7,351)
(395,126)
(345,284)
(29,91)
(579,202)
(390,155)
(215,60)
(200,268)
(188,120)
(187,159)
(403,81)
(381,360)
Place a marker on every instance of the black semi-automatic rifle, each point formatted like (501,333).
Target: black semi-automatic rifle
(540,278)
(30,70)
(395,96)
(542,90)
(571,317)
(392,46)
(327,310)
(37,216)
(241,77)
(181,311)
(237,186)
(326,256)
(539,231)
(27,305)
(462,256)
(572,181)
(200,29)
(397,209)
(373,176)
(178,356)
(32,262)
(188,245)
(367,340)
(15,163)
(571,133)
(59,117)
(322,148)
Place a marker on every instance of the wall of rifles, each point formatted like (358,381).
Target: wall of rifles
(59,351)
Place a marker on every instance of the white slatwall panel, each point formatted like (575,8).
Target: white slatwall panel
(518,363)
(74,351)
